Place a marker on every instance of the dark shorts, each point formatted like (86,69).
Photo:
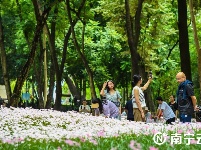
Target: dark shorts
(169,121)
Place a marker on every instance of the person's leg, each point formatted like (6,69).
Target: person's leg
(169,121)
(188,118)
(172,119)
(130,119)
(138,115)
(181,117)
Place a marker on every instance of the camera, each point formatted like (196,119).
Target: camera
(150,74)
(198,114)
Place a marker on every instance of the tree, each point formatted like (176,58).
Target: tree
(3,61)
(133,34)
(89,71)
(183,39)
(196,40)
(133,28)
(20,80)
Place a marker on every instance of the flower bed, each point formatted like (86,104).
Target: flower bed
(49,129)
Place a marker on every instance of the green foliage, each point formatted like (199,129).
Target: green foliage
(105,41)
(102,48)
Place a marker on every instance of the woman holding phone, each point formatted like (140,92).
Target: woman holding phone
(138,97)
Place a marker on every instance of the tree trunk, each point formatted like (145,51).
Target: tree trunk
(51,86)
(57,105)
(39,91)
(133,35)
(59,70)
(20,80)
(73,89)
(197,44)
(84,88)
(183,39)
(45,68)
(89,71)
(20,16)
(3,63)
(39,76)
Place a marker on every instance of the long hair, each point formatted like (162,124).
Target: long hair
(107,88)
(136,79)
(97,100)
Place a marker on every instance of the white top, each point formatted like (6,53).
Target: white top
(83,108)
(141,97)
(167,111)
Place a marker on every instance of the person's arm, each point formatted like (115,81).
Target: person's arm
(147,84)
(137,100)
(80,108)
(102,93)
(176,114)
(119,99)
(88,109)
(176,109)
(120,109)
(161,109)
(160,113)
(194,101)
(190,92)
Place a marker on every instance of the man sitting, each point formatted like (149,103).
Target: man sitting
(166,110)
(84,107)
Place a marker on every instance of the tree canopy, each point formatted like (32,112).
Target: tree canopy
(89,42)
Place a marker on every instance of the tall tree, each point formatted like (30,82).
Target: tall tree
(133,34)
(3,62)
(197,44)
(24,72)
(84,60)
(183,39)
(59,70)
(133,28)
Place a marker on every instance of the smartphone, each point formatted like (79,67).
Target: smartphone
(150,74)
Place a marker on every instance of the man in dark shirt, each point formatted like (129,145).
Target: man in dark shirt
(173,105)
(187,102)
(129,110)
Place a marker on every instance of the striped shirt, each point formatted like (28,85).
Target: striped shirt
(141,97)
